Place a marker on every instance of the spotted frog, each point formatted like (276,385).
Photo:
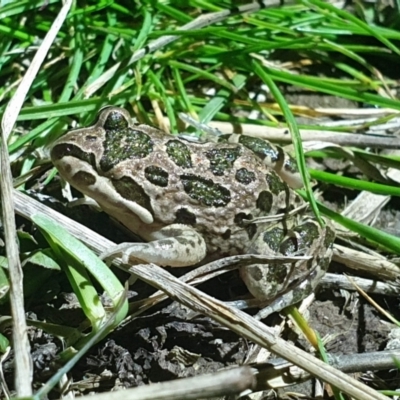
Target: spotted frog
(189,199)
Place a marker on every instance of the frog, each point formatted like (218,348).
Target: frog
(195,200)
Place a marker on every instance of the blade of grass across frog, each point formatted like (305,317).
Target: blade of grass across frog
(80,259)
(383,239)
(352,183)
(295,134)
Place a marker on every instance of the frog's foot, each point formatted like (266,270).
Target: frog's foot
(175,246)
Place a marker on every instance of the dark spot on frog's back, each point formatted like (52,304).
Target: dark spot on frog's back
(291,165)
(276,185)
(264,201)
(308,232)
(289,246)
(185,242)
(251,230)
(259,147)
(179,153)
(205,191)
(256,272)
(324,263)
(132,191)
(67,149)
(277,273)
(273,238)
(122,144)
(184,216)
(82,178)
(222,159)
(156,175)
(67,168)
(245,176)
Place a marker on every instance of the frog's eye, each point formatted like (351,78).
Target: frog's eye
(115,120)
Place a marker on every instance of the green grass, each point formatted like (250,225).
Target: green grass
(101,57)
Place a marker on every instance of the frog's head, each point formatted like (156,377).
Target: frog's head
(88,158)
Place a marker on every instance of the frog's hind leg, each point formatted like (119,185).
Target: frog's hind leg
(175,246)
(284,284)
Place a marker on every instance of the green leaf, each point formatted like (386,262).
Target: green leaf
(78,261)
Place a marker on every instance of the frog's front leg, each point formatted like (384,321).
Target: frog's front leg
(175,245)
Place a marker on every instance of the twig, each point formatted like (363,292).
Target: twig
(335,281)
(235,381)
(279,373)
(282,135)
(361,261)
